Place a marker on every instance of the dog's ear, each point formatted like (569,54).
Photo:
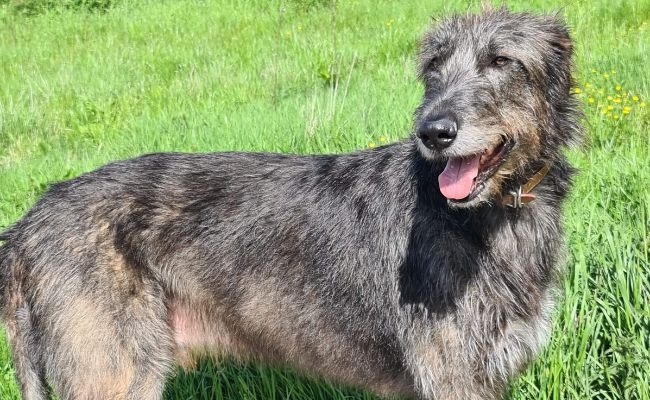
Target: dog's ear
(562,44)
(559,37)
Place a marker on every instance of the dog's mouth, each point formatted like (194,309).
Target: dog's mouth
(465,177)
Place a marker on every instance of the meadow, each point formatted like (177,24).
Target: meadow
(86,82)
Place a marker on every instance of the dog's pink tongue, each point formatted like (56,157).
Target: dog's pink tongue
(458,177)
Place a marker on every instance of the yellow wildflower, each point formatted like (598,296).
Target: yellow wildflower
(618,88)
(610,108)
(635,98)
(382,139)
(591,100)
(577,90)
(372,145)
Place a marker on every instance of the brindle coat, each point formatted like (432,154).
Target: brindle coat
(351,267)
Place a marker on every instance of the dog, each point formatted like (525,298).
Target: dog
(426,268)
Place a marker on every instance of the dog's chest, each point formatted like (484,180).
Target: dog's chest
(515,342)
(494,326)
(476,339)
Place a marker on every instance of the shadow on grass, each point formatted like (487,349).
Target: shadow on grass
(231,381)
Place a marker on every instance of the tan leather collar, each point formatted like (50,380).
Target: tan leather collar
(522,195)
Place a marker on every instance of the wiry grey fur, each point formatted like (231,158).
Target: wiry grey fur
(351,267)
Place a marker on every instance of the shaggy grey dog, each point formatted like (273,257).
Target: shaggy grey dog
(425,268)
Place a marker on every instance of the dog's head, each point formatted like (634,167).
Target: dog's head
(497,100)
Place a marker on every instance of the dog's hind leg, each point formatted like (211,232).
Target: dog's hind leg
(108,345)
(28,369)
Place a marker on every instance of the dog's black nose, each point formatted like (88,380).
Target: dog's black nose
(438,133)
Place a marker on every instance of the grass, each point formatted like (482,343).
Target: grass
(84,82)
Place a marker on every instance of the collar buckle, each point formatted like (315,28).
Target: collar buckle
(516,198)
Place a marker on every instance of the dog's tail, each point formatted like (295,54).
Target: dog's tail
(7,259)
(14,313)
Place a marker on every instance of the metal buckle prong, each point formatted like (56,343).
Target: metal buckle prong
(516,198)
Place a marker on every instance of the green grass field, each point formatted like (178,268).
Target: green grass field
(85,82)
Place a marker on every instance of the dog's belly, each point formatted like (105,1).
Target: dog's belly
(197,333)
(258,335)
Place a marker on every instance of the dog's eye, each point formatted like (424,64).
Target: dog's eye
(434,64)
(500,61)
